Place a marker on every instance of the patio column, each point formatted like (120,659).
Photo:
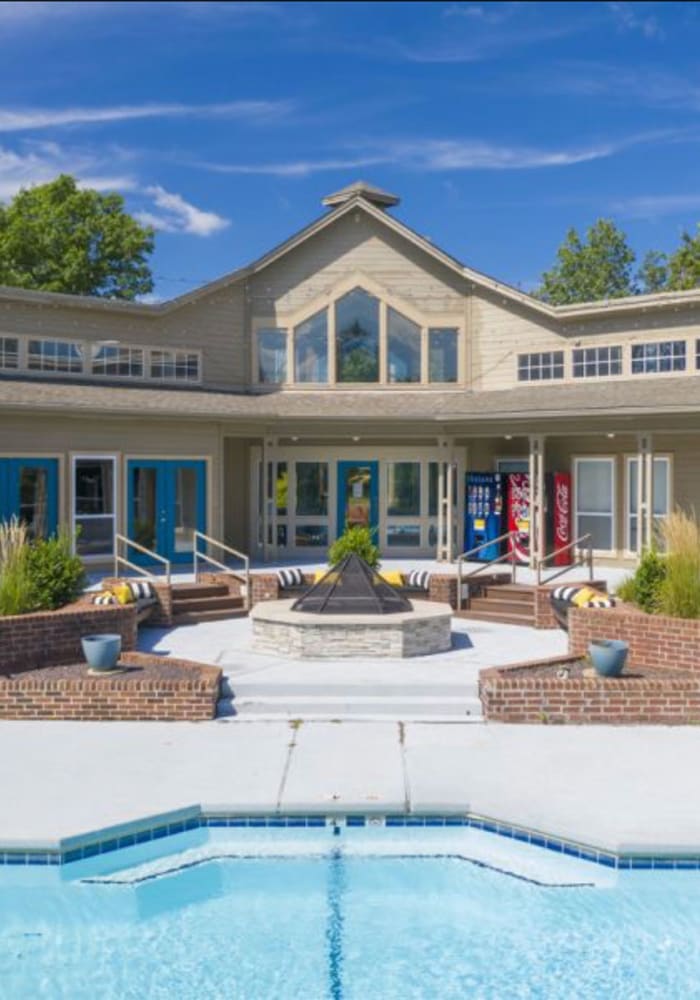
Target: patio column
(447,475)
(269,505)
(645,491)
(537,499)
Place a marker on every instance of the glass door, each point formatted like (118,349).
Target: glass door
(29,491)
(166,505)
(358,496)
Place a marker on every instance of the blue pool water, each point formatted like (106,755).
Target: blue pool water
(369,913)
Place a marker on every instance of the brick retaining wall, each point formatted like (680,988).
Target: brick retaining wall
(45,638)
(513,695)
(191,697)
(655,640)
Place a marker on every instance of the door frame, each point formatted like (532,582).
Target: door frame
(165,500)
(10,465)
(342,466)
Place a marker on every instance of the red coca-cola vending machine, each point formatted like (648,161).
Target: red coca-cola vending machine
(557,515)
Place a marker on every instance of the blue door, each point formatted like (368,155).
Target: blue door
(166,505)
(29,491)
(358,496)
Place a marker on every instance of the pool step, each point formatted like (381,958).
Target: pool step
(357,708)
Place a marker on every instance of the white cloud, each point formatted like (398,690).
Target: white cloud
(628,18)
(178,215)
(37,163)
(21,120)
(653,206)
(295,168)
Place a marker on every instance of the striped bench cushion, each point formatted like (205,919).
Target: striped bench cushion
(141,590)
(290,578)
(106,597)
(419,579)
(582,597)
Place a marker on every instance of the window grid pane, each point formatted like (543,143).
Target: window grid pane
(403,493)
(176,366)
(357,337)
(272,356)
(664,356)
(9,352)
(403,348)
(596,362)
(124,362)
(442,355)
(543,366)
(55,356)
(311,349)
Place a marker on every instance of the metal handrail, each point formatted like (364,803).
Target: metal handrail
(243,575)
(583,560)
(466,556)
(120,560)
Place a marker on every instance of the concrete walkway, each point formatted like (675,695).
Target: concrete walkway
(631,789)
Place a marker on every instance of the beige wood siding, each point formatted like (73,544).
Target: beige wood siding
(236,478)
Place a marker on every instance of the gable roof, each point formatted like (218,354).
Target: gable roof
(634,303)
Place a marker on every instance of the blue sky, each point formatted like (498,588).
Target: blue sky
(224,124)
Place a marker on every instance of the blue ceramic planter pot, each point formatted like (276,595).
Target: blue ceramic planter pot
(608,656)
(102,651)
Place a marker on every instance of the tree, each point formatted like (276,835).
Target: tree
(599,267)
(684,264)
(653,274)
(58,237)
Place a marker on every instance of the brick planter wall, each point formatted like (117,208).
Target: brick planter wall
(544,615)
(45,638)
(263,587)
(138,696)
(443,588)
(655,641)
(514,695)
(162,613)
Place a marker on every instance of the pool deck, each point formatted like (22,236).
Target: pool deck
(620,789)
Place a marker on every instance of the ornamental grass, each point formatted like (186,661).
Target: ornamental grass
(679,591)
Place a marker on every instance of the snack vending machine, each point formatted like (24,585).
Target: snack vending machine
(483,513)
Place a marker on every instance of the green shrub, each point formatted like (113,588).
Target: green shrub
(357,539)
(643,588)
(15,584)
(680,591)
(57,576)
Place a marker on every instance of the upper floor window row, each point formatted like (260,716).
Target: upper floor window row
(358,342)
(600,362)
(106,360)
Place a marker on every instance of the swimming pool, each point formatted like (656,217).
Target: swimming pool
(361,913)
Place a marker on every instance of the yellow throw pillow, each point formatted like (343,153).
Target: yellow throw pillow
(584,595)
(319,574)
(123,594)
(393,577)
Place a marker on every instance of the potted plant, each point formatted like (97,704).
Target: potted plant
(608,656)
(102,652)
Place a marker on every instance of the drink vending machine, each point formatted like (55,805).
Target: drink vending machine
(483,513)
(557,519)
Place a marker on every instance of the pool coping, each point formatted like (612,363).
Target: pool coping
(195,817)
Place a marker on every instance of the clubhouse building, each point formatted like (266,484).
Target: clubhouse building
(354,374)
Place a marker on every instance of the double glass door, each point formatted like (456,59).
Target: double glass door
(166,505)
(29,491)
(358,496)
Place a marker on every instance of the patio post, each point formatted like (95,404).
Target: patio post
(537,499)
(645,491)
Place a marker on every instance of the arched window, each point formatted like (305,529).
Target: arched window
(311,349)
(403,348)
(357,337)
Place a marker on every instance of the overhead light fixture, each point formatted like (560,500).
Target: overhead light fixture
(610,436)
(294,438)
(508,437)
(355,438)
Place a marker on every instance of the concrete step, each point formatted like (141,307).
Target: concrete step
(419,708)
(256,689)
(185,591)
(498,618)
(216,603)
(196,617)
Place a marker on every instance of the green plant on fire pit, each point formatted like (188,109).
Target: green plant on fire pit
(357,539)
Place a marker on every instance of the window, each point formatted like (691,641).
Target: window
(403,489)
(403,348)
(661,488)
(9,352)
(442,355)
(595,501)
(697,353)
(311,349)
(312,488)
(594,362)
(540,367)
(272,356)
(666,356)
(93,505)
(175,366)
(357,337)
(109,359)
(55,356)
